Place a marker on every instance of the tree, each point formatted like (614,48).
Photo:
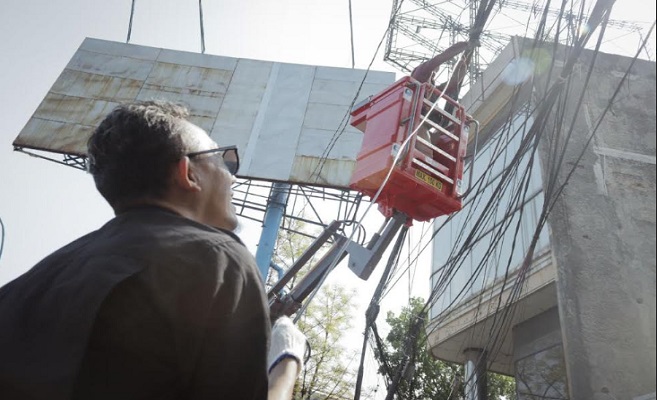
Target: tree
(426,377)
(289,246)
(329,374)
(330,371)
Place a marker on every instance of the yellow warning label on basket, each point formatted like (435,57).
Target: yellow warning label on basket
(429,179)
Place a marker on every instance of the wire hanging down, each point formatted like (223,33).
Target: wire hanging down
(200,14)
(496,206)
(132,13)
(2,237)
(501,217)
(351,31)
(345,119)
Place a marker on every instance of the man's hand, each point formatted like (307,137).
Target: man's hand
(285,358)
(287,341)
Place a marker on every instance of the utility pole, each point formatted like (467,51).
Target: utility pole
(270,226)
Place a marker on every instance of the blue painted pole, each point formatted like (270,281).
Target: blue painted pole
(270,226)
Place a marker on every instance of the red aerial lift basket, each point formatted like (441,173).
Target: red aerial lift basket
(426,180)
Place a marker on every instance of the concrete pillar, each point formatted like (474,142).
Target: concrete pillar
(602,231)
(475,375)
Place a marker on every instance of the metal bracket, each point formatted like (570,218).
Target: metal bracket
(362,262)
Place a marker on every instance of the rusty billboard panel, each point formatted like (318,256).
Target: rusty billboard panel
(282,117)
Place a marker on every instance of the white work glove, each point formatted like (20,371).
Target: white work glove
(286,341)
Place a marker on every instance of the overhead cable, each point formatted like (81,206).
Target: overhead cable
(345,119)
(518,189)
(2,237)
(550,198)
(132,13)
(200,15)
(351,31)
(373,308)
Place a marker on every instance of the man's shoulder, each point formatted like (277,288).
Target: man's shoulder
(144,228)
(73,263)
(133,241)
(167,241)
(168,232)
(149,240)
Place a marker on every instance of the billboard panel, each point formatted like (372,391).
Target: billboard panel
(282,117)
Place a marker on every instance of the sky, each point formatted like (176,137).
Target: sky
(44,205)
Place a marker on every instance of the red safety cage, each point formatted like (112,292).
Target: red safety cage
(425,182)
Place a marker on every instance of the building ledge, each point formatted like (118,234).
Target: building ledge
(478,322)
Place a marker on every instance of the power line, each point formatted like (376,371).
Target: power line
(351,32)
(373,308)
(343,123)
(132,13)
(511,302)
(504,310)
(200,17)
(413,36)
(2,238)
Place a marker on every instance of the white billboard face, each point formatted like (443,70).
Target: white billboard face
(283,118)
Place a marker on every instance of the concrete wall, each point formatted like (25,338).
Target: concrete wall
(602,237)
(540,369)
(603,233)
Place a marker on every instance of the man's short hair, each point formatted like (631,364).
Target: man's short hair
(131,153)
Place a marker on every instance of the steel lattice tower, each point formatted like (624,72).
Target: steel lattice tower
(423,28)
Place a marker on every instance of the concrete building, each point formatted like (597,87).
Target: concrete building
(576,318)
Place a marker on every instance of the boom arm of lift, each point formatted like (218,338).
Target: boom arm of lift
(362,261)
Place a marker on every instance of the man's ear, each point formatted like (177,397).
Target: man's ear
(185,176)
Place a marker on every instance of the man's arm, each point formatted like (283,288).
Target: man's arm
(453,86)
(285,358)
(423,71)
(282,379)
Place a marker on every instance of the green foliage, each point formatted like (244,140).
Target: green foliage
(329,373)
(501,386)
(426,377)
(289,247)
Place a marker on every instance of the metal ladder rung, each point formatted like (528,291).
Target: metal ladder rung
(441,129)
(436,149)
(448,115)
(433,171)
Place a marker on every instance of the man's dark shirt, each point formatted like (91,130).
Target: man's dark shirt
(150,306)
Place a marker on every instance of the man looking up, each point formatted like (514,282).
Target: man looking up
(163,301)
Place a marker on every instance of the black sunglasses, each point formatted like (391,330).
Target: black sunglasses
(228,154)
